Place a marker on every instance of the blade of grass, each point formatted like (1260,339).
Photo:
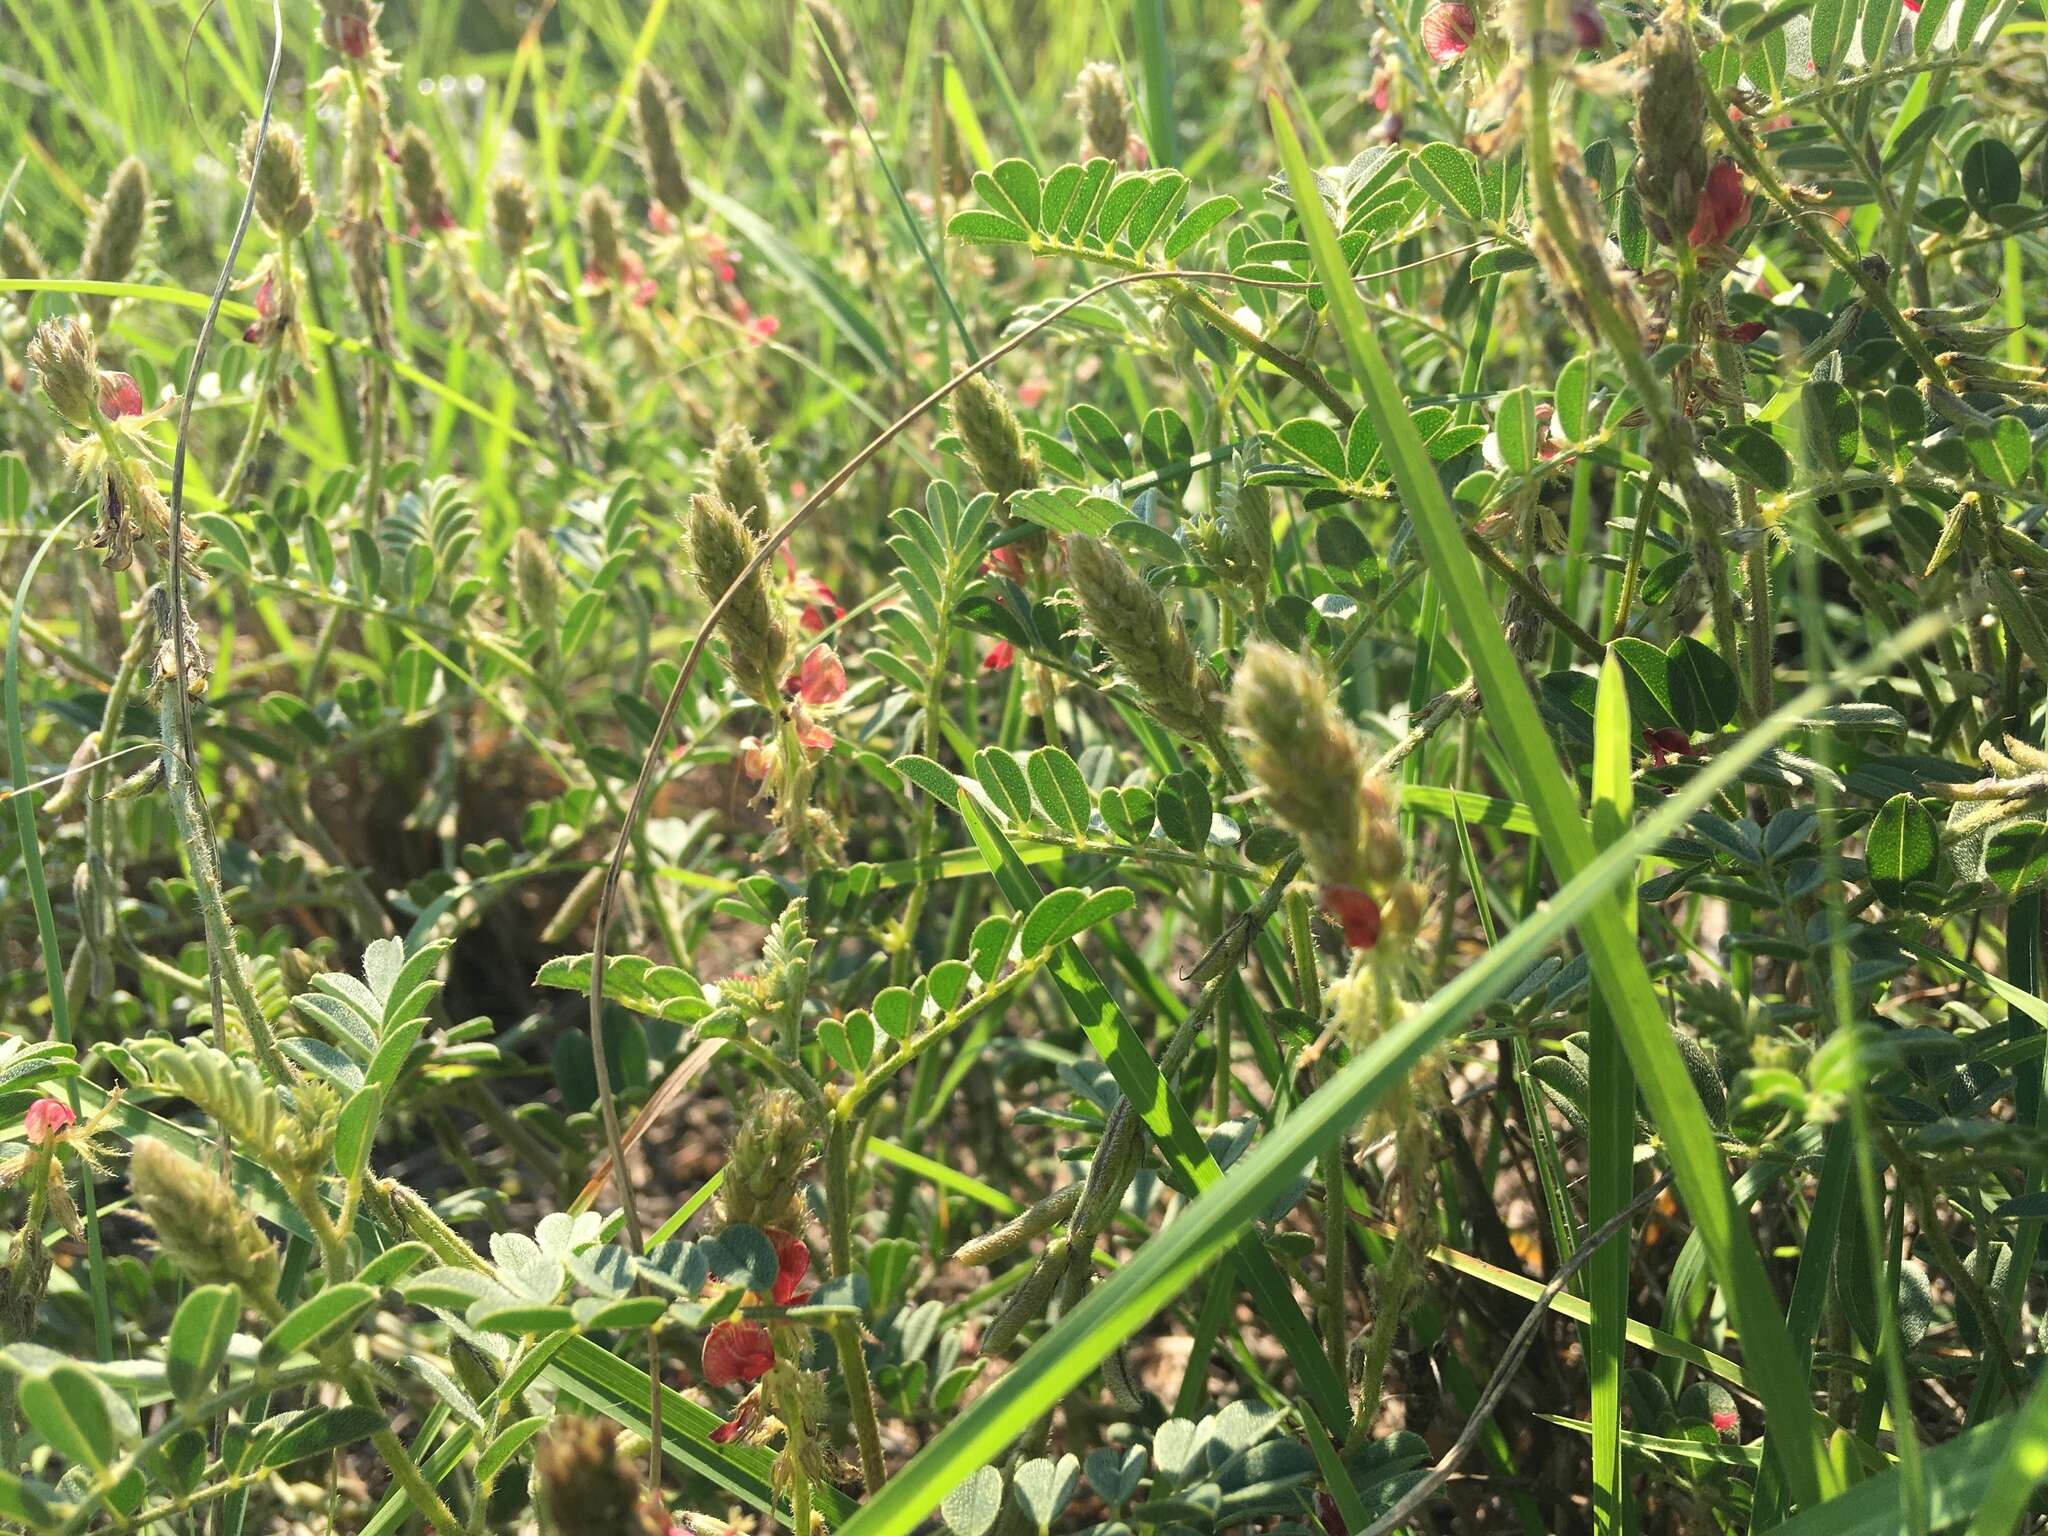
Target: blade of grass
(1618,968)
(1162,133)
(1611,1114)
(1067,1352)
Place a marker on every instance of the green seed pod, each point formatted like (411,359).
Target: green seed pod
(1013,1234)
(202,1223)
(654,114)
(599,216)
(994,442)
(67,364)
(740,477)
(774,1145)
(1105,123)
(1149,645)
(20,258)
(120,225)
(419,174)
(511,213)
(1671,125)
(721,546)
(420,1220)
(275,164)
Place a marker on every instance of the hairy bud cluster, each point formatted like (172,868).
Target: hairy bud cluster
(740,478)
(1671,124)
(1105,123)
(511,213)
(721,546)
(274,162)
(67,364)
(20,258)
(1312,771)
(536,580)
(774,1145)
(203,1225)
(419,175)
(993,441)
(113,242)
(1148,644)
(587,1485)
(599,215)
(654,114)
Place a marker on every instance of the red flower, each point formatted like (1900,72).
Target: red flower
(659,219)
(813,736)
(820,680)
(1745,333)
(743,1419)
(736,1350)
(1587,26)
(1001,656)
(119,395)
(1356,913)
(792,1263)
(1666,742)
(1912,5)
(266,311)
(1723,206)
(45,1119)
(1448,28)
(1725,1419)
(1032,391)
(350,35)
(824,605)
(763,327)
(755,760)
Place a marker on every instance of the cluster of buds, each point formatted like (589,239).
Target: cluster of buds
(113,453)
(1314,777)
(1235,539)
(536,582)
(774,1146)
(1148,643)
(113,242)
(740,477)
(587,1484)
(512,217)
(610,265)
(419,178)
(203,1225)
(1684,195)
(1104,105)
(654,115)
(274,164)
(841,85)
(992,440)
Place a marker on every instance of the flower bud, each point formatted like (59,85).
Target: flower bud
(1105,125)
(511,213)
(23,1281)
(349,27)
(113,241)
(654,113)
(994,442)
(20,258)
(536,581)
(1671,122)
(588,1486)
(275,164)
(599,216)
(842,100)
(1149,645)
(203,1225)
(721,546)
(67,364)
(774,1145)
(419,174)
(740,477)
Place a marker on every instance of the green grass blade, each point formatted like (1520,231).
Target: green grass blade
(1162,133)
(1962,1476)
(1618,968)
(2021,1470)
(1612,1129)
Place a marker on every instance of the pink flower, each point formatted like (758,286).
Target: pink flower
(1032,390)
(266,311)
(743,1418)
(820,680)
(736,1350)
(763,327)
(813,736)
(1723,206)
(1745,333)
(1353,911)
(755,759)
(1726,1419)
(45,1119)
(659,219)
(823,606)
(119,397)
(1001,656)
(1448,28)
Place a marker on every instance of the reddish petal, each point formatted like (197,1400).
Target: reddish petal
(1353,911)
(1723,206)
(1448,29)
(119,395)
(792,1263)
(821,679)
(45,1119)
(1000,657)
(736,1350)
